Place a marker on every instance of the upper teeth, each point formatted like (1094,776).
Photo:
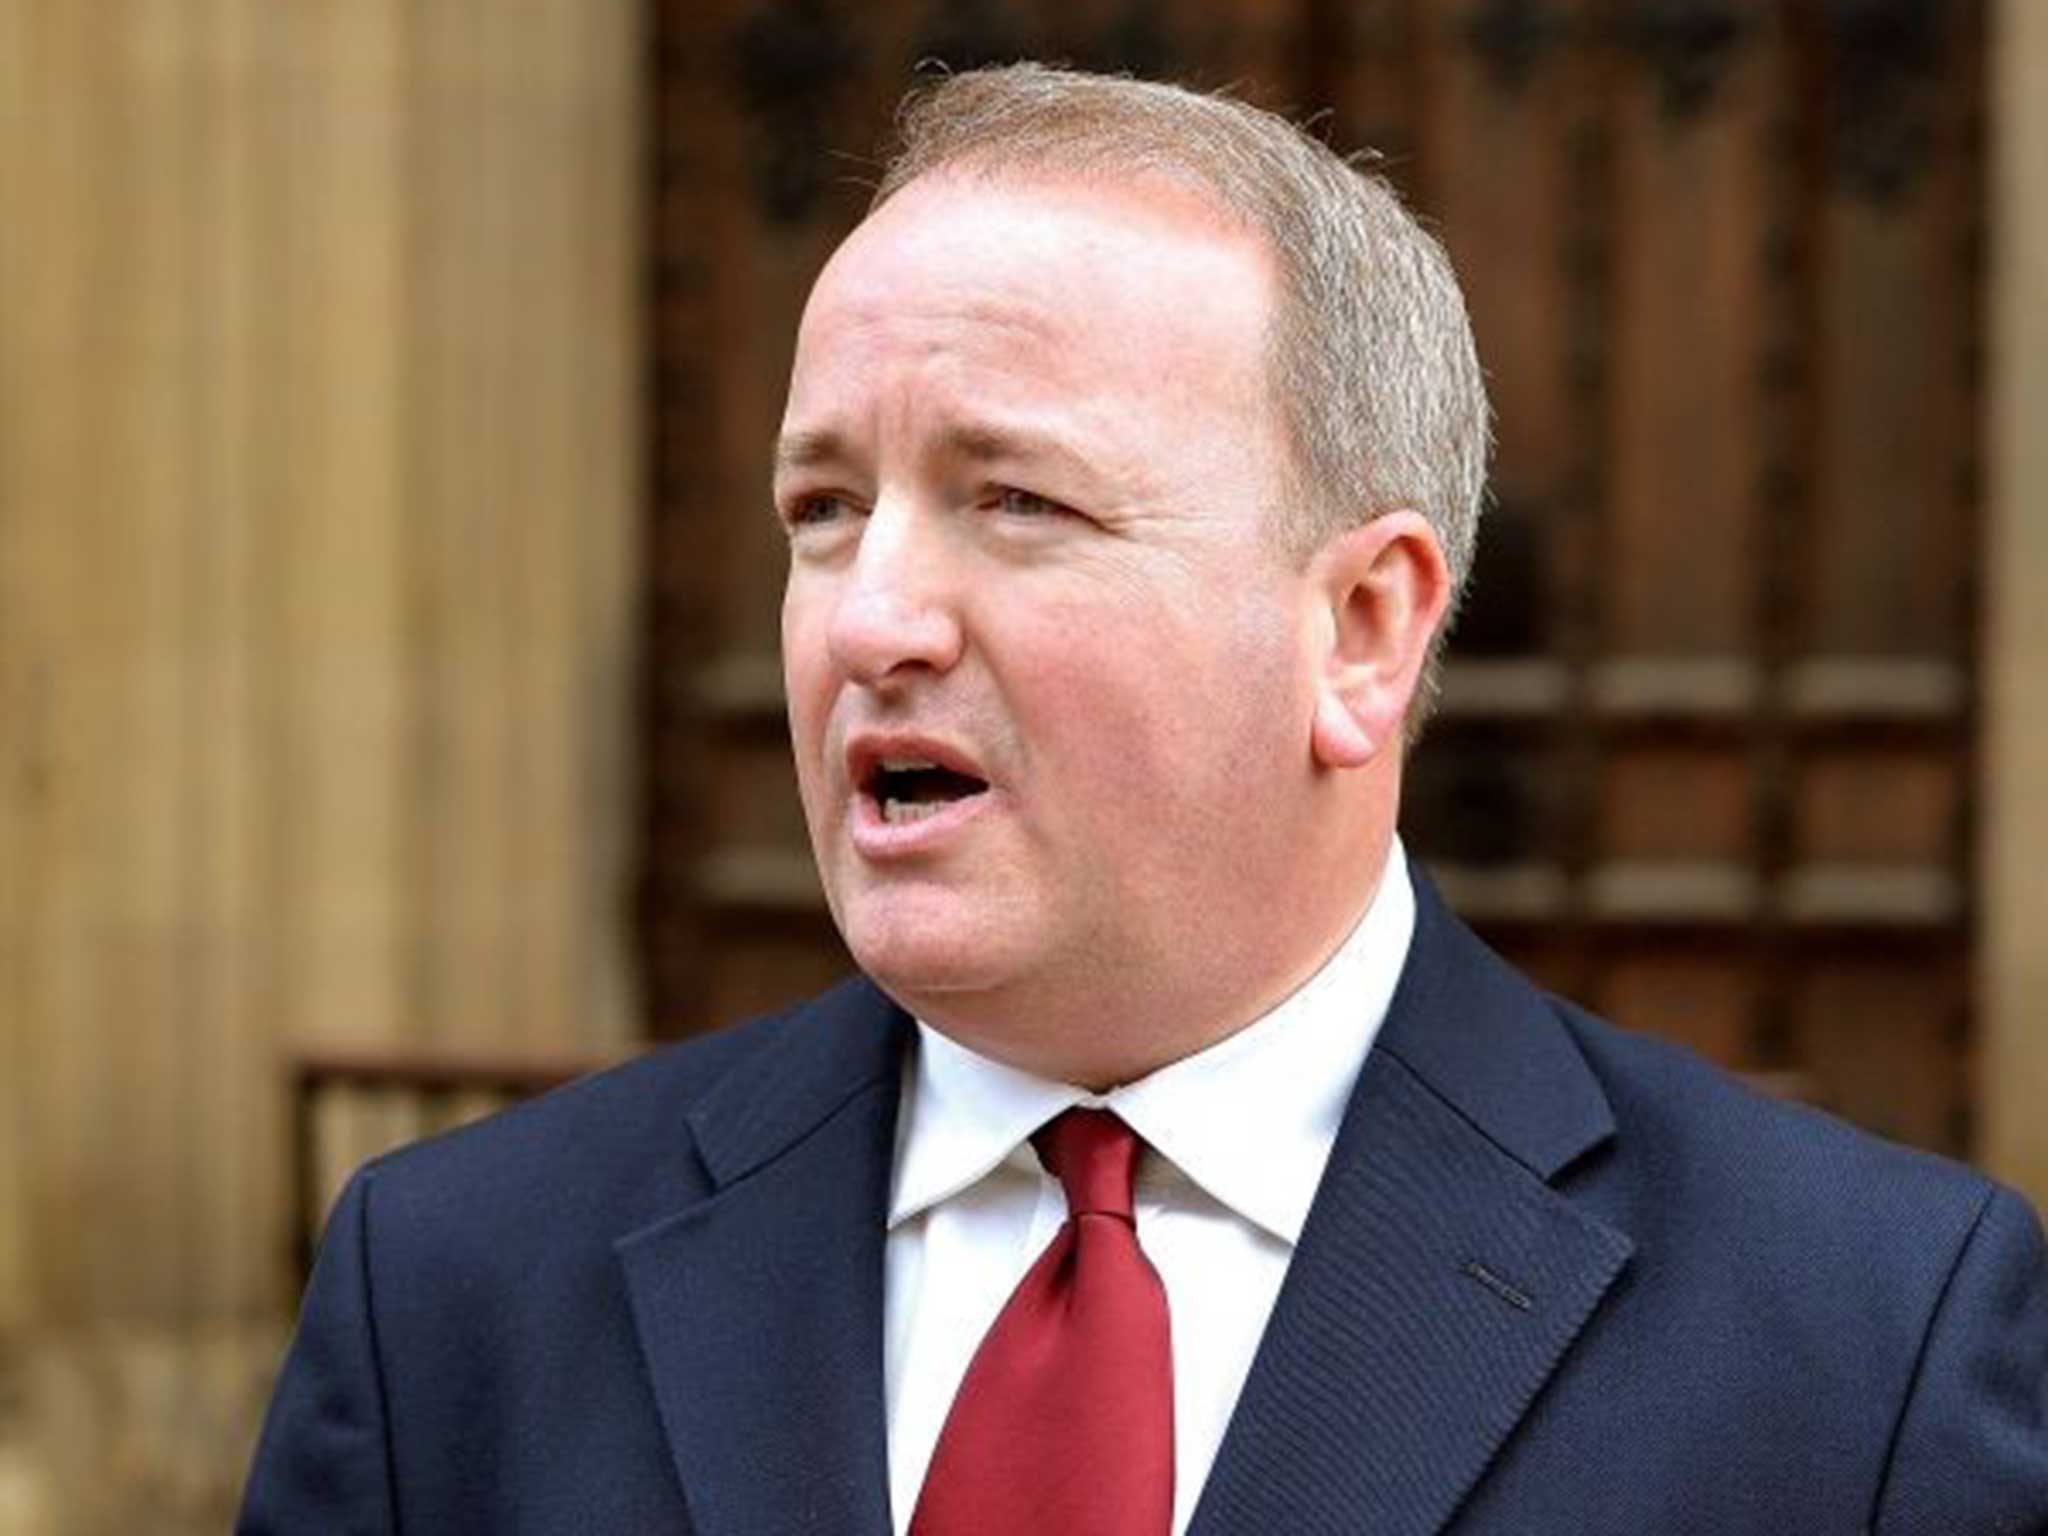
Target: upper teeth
(906,765)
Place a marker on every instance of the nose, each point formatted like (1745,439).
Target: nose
(896,614)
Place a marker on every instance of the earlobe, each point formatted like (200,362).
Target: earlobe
(1338,737)
(1383,588)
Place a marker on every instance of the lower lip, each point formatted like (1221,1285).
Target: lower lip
(875,837)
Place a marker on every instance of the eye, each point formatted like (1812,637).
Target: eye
(1027,504)
(816,510)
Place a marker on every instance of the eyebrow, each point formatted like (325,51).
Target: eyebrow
(802,450)
(984,443)
(979,443)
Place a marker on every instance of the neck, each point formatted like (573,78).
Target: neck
(1059,1033)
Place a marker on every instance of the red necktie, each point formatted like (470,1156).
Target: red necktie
(1064,1421)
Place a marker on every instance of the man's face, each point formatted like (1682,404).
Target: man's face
(1047,669)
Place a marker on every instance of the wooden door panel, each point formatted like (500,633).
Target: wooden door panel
(1496,166)
(1880,1038)
(1703,998)
(1684,803)
(1706,747)
(1896,225)
(1688,330)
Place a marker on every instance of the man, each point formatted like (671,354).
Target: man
(1132,456)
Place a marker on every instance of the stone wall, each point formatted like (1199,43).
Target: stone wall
(318,487)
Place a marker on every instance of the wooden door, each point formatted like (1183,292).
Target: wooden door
(1706,751)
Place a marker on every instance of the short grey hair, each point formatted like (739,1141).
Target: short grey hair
(1371,352)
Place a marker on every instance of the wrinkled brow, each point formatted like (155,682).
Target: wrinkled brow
(803,450)
(982,443)
(972,441)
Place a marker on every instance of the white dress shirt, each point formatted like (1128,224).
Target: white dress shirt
(1239,1134)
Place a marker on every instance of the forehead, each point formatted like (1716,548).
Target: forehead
(1064,284)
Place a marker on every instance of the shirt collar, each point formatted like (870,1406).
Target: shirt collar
(1251,1119)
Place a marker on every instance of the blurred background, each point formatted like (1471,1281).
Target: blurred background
(390,718)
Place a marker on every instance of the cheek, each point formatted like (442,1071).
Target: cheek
(1166,723)
(807,687)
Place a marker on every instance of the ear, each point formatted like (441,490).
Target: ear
(1380,592)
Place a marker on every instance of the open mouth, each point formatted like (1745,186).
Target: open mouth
(909,789)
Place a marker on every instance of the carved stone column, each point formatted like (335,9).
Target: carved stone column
(318,494)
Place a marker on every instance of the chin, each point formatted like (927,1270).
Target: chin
(913,959)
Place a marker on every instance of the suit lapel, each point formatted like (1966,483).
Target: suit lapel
(760,1309)
(1440,1278)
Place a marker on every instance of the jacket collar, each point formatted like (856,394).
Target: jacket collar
(759,1309)
(1478,1034)
(1441,1278)
(826,1052)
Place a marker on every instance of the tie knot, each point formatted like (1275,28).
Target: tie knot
(1094,1155)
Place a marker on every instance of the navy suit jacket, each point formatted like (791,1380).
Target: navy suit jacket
(1557,1279)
